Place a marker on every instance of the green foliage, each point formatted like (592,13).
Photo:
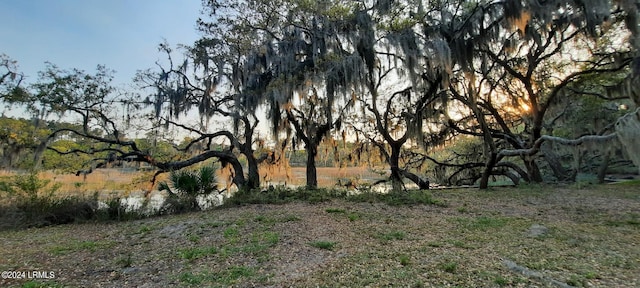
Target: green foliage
(29,186)
(282,195)
(191,254)
(38,284)
(462,150)
(65,162)
(325,245)
(500,281)
(630,183)
(186,186)
(449,267)
(231,233)
(160,149)
(268,238)
(75,246)
(390,236)
(18,140)
(272,220)
(405,260)
(225,278)
(411,197)
(30,202)
(353,216)
(335,210)
(54,211)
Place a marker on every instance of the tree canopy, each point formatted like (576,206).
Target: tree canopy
(401,78)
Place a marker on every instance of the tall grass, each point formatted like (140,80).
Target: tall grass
(27,200)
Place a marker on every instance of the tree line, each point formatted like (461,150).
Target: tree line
(400,80)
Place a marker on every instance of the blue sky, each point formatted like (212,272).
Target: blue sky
(121,34)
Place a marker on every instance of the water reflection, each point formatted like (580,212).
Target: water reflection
(152,203)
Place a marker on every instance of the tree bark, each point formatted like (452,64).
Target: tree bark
(422,184)
(238,175)
(553,159)
(602,171)
(491,162)
(253,176)
(312,174)
(532,169)
(394,162)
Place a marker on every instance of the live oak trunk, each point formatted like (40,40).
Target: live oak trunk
(253,176)
(553,160)
(394,162)
(532,169)
(491,162)
(312,174)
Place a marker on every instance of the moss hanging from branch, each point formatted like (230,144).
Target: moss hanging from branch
(628,130)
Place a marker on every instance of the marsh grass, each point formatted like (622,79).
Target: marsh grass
(28,200)
(38,201)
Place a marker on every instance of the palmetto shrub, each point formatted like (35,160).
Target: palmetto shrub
(185,186)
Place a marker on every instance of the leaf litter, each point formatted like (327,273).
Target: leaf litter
(589,239)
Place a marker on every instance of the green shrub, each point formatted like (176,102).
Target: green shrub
(326,245)
(282,195)
(29,186)
(411,197)
(30,202)
(335,210)
(185,186)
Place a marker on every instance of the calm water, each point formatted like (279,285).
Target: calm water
(136,201)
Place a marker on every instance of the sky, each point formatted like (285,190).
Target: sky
(123,35)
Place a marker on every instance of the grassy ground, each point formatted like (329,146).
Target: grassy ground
(588,237)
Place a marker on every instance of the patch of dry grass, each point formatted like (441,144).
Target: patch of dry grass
(122,183)
(99,180)
(327,176)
